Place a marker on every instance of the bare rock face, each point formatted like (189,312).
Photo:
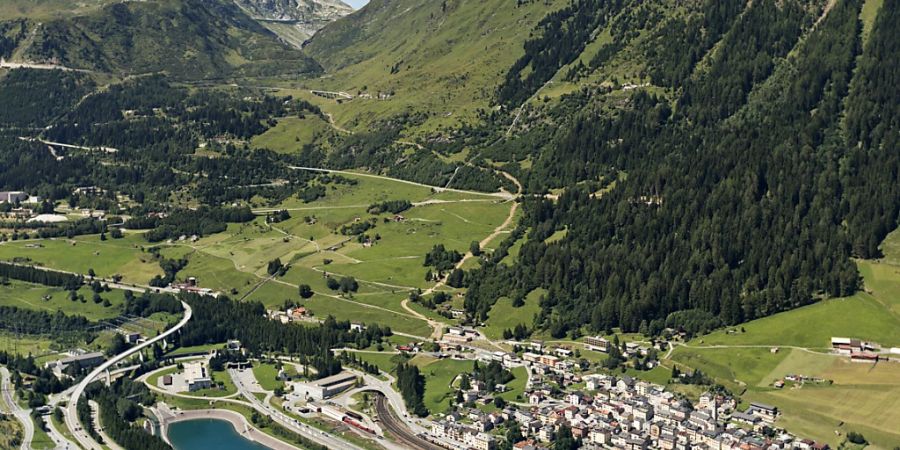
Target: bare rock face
(295,20)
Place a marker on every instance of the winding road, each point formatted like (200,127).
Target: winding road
(23,415)
(72,423)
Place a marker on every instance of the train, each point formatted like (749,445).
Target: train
(349,421)
(354,415)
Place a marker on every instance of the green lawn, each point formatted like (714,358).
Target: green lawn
(51,299)
(438,375)
(344,310)
(385,361)
(266,374)
(292,133)
(504,316)
(228,386)
(863,397)
(107,258)
(41,439)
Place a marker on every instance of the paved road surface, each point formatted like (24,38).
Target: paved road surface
(503,195)
(85,440)
(23,415)
(321,437)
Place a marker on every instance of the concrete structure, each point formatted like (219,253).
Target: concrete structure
(326,387)
(196,376)
(596,343)
(13,196)
(48,218)
(85,361)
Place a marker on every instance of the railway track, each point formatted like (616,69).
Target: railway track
(403,434)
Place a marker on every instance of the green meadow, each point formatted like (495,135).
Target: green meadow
(504,316)
(292,133)
(861,397)
(107,258)
(51,299)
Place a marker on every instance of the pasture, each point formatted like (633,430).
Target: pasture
(124,256)
(861,397)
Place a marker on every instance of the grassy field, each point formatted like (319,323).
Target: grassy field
(235,261)
(292,133)
(448,51)
(504,316)
(438,376)
(266,375)
(79,255)
(867,16)
(51,299)
(228,386)
(860,397)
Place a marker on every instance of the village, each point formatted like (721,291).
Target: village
(608,411)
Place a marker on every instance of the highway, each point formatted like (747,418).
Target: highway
(403,434)
(21,414)
(84,439)
(313,434)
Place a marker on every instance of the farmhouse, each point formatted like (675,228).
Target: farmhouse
(847,346)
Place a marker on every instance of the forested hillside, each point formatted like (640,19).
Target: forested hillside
(184,38)
(752,179)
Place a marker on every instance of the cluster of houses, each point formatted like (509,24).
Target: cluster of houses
(859,350)
(456,336)
(625,413)
(289,315)
(190,285)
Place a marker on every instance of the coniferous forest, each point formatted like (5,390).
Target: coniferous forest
(747,195)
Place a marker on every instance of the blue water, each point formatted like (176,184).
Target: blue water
(206,434)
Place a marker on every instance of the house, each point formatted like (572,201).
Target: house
(13,196)
(356,326)
(763,411)
(745,418)
(132,338)
(233,344)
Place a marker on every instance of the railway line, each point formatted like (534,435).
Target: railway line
(400,432)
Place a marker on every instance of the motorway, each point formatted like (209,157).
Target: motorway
(84,439)
(21,414)
(290,423)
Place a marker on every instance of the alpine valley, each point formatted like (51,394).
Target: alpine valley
(425,224)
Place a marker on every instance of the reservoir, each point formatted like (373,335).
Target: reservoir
(205,434)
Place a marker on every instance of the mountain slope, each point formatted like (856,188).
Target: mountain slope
(295,20)
(440,59)
(189,39)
